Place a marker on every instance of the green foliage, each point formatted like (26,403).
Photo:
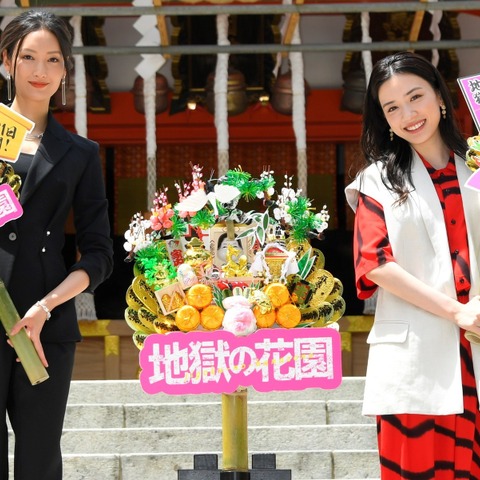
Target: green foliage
(154,262)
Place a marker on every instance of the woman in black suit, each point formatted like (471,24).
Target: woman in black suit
(61,172)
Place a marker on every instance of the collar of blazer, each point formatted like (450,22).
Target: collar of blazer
(55,143)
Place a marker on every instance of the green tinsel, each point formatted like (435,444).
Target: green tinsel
(179,226)
(301,227)
(298,207)
(237,178)
(303,219)
(203,219)
(154,262)
(249,188)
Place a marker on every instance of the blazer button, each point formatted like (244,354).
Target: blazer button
(12,236)
(44,250)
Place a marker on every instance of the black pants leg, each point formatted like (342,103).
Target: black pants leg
(37,414)
(7,359)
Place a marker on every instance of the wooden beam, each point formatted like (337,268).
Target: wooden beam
(416,25)
(292,23)
(162,27)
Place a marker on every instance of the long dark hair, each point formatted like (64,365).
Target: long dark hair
(396,156)
(31,21)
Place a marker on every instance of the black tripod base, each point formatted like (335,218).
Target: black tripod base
(205,467)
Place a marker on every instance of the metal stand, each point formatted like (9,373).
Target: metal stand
(205,467)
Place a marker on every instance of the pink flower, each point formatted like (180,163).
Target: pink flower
(160,218)
(239,320)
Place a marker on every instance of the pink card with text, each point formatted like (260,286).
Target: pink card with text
(10,208)
(181,363)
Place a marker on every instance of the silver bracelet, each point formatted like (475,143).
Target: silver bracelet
(45,309)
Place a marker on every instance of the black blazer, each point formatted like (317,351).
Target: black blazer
(65,176)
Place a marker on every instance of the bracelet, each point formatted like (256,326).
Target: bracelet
(45,309)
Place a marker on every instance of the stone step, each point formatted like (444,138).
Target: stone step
(209,439)
(130,391)
(314,465)
(260,413)
(114,430)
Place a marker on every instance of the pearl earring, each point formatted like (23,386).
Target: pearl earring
(443,108)
(391,134)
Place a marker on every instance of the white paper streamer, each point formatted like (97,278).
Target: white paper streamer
(146,25)
(220,91)
(435,31)
(80,79)
(298,111)
(298,101)
(366,38)
(84,302)
(149,93)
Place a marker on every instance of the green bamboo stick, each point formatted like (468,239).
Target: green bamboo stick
(21,342)
(235,430)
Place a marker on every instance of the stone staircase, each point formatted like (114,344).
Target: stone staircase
(115,431)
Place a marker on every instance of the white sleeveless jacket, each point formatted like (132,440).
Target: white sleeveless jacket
(414,360)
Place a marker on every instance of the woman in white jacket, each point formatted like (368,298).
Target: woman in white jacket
(417,238)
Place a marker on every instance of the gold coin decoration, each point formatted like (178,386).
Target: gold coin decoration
(323,283)
(134,322)
(339,307)
(132,300)
(9,177)
(145,293)
(164,323)
(319,262)
(300,248)
(147,317)
(309,316)
(325,314)
(139,339)
(337,290)
(141,318)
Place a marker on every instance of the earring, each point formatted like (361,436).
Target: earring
(9,87)
(64,93)
(391,134)
(443,108)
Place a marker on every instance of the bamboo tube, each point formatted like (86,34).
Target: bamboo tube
(235,431)
(230,229)
(21,342)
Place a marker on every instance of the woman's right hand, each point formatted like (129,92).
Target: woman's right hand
(33,322)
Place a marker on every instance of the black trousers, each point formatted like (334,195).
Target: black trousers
(35,412)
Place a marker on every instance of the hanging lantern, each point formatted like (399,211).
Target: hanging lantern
(237,101)
(161,97)
(282,93)
(354,89)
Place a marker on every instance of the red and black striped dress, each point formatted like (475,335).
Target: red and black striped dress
(413,446)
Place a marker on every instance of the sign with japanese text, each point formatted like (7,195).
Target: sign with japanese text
(473,181)
(10,208)
(180,363)
(13,128)
(470,87)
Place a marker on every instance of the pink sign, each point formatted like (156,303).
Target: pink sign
(10,208)
(180,363)
(470,87)
(473,181)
